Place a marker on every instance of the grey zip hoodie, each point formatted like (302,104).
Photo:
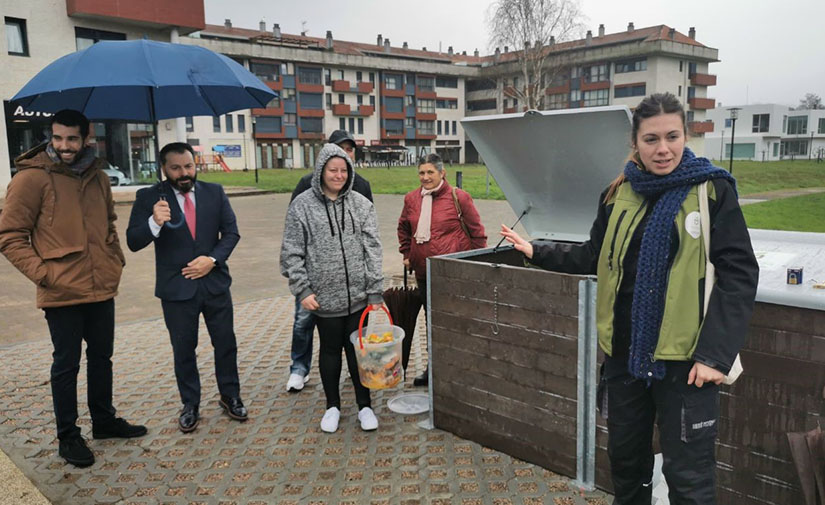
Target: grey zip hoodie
(331,247)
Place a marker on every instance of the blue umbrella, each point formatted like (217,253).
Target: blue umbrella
(144,80)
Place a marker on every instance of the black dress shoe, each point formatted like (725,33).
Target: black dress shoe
(189,419)
(423,379)
(75,451)
(234,407)
(117,428)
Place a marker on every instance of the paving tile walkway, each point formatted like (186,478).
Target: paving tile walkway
(280,456)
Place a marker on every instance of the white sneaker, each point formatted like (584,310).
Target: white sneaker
(329,423)
(296,382)
(368,420)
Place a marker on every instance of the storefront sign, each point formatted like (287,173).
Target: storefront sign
(20,112)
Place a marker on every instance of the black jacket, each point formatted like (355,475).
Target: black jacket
(217,235)
(732,299)
(360,185)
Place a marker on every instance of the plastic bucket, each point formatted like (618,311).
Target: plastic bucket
(379,364)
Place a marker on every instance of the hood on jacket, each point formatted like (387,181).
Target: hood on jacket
(327,152)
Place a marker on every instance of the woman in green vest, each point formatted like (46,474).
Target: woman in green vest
(665,356)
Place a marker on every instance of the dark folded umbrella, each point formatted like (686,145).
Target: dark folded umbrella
(404,304)
(808,452)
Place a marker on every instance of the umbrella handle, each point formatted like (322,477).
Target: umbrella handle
(364,316)
(169,224)
(405,277)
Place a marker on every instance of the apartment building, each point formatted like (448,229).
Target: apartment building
(766,132)
(398,102)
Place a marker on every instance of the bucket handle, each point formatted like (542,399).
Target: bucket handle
(364,316)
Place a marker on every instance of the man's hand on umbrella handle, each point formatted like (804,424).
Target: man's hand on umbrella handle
(161,212)
(519,243)
(407,263)
(309,303)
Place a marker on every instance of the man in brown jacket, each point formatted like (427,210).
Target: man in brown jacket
(58,228)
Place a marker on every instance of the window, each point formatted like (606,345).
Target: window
(426,127)
(595,97)
(636,65)
(229,126)
(241,123)
(392,81)
(426,106)
(558,101)
(190,124)
(409,101)
(481,84)
(16,39)
(596,73)
(85,37)
(409,122)
(505,103)
(312,124)
(481,104)
(351,125)
(426,83)
(797,125)
(307,75)
(438,127)
(411,79)
(310,100)
(342,123)
(372,77)
(327,77)
(691,68)
(394,126)
(329,100)
(216,124)
(289,119)
(680,66)
(626,91)
(761,123)
(576,72)
(689,115)
(340,75)
(360,126)
(360,99)
(775,149)
(287,94)
(515,82)
(455,132)
(741,150)
(446,104)
(446,82)
(691,92)
(359,76)
(679,93)
(728,122)
(792,148)
(275,103)
(394,104)
(340,98)
(268,124)
(372,100)
(821,125)
(265,71)
(784,124)
(575,97)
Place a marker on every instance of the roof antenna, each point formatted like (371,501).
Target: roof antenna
(304,30)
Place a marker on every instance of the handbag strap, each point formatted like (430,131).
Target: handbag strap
(704,221)
(460,215)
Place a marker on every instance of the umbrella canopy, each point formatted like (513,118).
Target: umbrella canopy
(404,303)
(144,80)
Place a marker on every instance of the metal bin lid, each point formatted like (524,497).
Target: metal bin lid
(554,164)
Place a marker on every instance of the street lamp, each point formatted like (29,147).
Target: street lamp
(734,114)
(254,120)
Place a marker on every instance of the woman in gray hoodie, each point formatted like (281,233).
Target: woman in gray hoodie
(331,253)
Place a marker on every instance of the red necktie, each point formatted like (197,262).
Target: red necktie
(189,212)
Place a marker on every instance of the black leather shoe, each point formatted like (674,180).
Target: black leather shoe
(118,428)
(189,419)
(75,451)
(234,408)
(423,379)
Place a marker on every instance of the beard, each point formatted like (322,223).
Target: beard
(184,183)
(77,154)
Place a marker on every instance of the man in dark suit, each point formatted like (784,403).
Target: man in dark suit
(194,234)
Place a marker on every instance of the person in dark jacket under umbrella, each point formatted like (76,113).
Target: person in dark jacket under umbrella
(331,252)
(304,325)
(433,222)
(665,357)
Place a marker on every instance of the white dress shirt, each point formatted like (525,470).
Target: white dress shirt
(153,226)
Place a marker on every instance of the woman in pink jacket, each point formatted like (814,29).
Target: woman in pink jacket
(436,219)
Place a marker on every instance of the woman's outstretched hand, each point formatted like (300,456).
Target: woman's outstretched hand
(519,243)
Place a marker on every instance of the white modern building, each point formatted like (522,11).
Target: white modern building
(766,132)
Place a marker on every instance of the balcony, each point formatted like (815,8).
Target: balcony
(365,87)
(311,135)
(391,115)
(309,87)
(186,15)
(391,92)
(510,110)
(340,86)
(390,135)
(425,93)
(310,112)
(425,135)
(366,110)
(700,127)
(702,103)
(425,116)
(341,109)
(703,79)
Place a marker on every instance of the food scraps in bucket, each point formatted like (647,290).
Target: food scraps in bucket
(374,338)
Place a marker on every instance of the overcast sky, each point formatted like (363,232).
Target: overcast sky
(771,51)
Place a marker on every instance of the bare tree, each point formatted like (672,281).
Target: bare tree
(531,27)
(811,101)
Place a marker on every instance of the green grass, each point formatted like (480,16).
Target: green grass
(798,213)
(761,177)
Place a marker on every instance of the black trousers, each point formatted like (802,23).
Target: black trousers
(334,333)
(182,319)
(69,326)
(687,417)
